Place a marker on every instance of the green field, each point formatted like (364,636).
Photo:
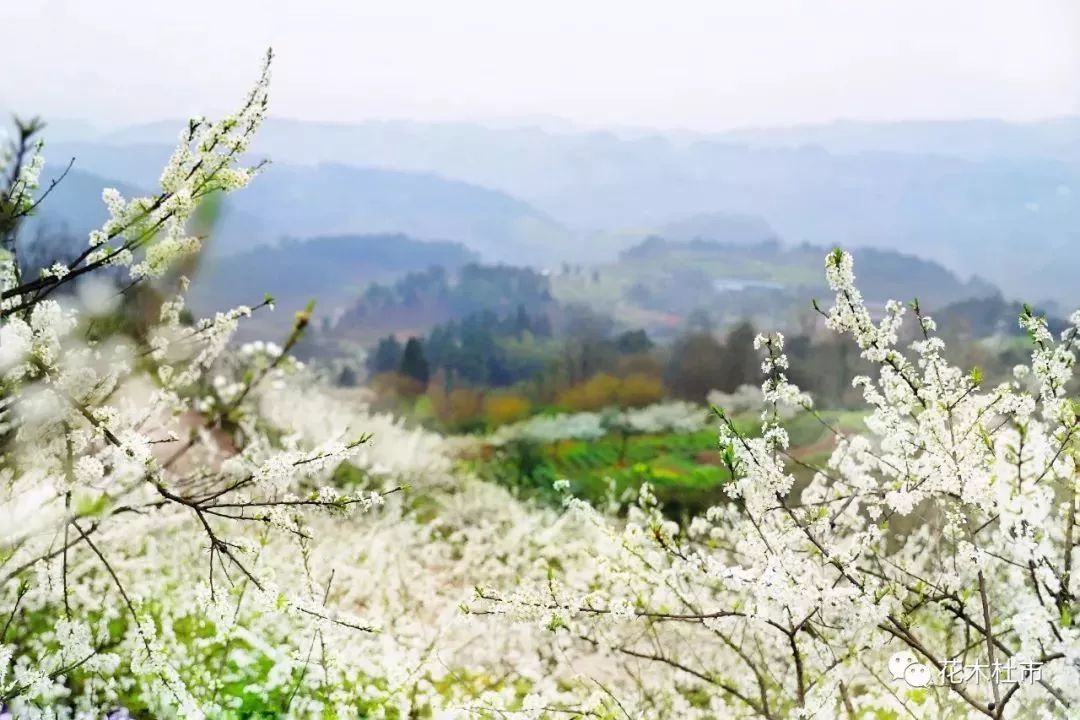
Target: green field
(684,470)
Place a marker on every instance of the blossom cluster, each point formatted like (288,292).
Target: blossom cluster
(946,531)
(140,484)
(191,529)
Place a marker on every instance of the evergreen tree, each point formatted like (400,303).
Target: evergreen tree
(441,347)
(740,363)
(387,356)
(696,366)
(413,362)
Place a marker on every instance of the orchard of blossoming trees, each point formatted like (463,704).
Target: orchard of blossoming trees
(175,542)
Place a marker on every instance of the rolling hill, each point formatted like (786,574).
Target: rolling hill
(328,199)
(662,285)
(973,195)
(331,270)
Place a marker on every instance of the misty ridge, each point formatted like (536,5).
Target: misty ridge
(526,258)
(982,198)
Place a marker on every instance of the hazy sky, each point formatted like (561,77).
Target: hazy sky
(708,64)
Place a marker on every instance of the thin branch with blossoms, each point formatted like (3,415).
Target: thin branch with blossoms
(88,420)
(809,587)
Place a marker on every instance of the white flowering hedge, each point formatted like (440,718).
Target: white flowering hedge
(675,417)
(177,539)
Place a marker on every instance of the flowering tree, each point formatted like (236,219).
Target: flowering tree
(139,485)
(925,571)
(172,541)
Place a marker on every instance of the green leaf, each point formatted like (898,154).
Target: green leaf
(91,507)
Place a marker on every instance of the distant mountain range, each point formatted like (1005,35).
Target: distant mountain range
(311,200)
(1056,139)
(983,197)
